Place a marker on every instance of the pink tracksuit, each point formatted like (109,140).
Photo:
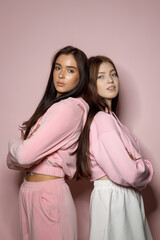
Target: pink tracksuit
(47,210)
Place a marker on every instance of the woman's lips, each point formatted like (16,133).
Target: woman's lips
(111,88)
(60,84)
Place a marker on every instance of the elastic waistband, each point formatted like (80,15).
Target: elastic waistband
(109,184)
(100,183)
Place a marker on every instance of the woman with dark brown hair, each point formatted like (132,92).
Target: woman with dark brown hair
(111,156)
(46,151)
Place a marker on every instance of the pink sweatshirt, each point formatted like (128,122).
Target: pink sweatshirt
(53,140)
(109,140)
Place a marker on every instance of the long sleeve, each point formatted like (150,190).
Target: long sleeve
(110,153)
(56,126)
(112,157)
(13,165)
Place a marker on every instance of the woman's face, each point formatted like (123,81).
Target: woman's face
(107,82)
(65,74)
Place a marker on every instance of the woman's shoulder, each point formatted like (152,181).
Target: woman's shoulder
(69,106)
(103,117)
(79,101)
(76,104)
(103,122)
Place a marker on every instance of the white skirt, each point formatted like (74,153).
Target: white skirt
(117,213)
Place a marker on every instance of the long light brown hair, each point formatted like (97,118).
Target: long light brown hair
(96,104)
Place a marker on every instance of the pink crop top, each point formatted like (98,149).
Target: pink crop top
(52,140)
(109,140)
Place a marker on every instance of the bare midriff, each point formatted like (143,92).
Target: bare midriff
(35,177)
(104,178)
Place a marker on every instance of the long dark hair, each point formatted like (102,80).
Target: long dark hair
(49,97)
(96,104)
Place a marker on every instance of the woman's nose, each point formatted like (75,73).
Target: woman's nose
(109,79)
(61,74)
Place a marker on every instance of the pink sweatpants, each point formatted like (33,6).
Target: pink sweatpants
(47,211)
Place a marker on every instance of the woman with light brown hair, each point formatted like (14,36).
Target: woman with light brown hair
(111,157)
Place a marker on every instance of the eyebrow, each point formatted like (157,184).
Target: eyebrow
(113,70)
(101,72)
(66,66)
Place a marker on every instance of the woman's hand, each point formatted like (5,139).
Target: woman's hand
(131,156)
(38,125)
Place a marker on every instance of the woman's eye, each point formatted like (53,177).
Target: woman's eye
(100,77)
(114,74)
(70,71)
(57,68)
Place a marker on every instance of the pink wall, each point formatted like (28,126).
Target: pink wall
(31,31)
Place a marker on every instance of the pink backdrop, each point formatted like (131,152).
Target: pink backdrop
(31,31)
